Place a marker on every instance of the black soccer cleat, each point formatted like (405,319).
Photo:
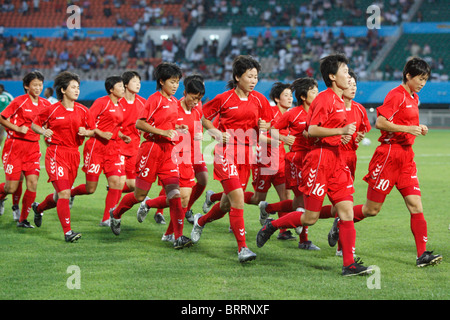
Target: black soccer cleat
(37,215)
(428,259)
(265,233)
(182,242)
(333,235)
(356,269)
(72,236)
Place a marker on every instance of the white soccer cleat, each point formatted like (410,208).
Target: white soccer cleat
(143,210)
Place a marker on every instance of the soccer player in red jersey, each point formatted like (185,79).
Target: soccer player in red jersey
(393,161)
(355,113)
(324,171)
(190,114)
(187,149)
(21,151)
(132,104)
(242,112)
(294,121)
(158,121)
(64,125)
(269,168)
(102,152)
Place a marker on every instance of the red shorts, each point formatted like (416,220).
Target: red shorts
(263,178)
(293,169)
(62,163)
(129,164)
(155,160)
(325,173)
(392,165)
(21,156)
(236,166)
(99,157)
(187,175)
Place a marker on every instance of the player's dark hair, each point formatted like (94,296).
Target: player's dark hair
(128,75)
(194,84)
(301,86)
(330,65)
(30,77)
(240,65)
(277,90)
(62,81)
(50,90)
(111,81)
(416,67)
(352,74)
(164,71)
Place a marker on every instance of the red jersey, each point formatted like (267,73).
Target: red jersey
(294,121)
(65,124)
(131,112)
(161,113)
(357,113)
(22,112)
(327,111)
(108,116)
(193,120)
(401,108)
(266,149)
(238,116)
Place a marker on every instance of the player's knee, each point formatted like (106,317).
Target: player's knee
(371,211)
(173,193)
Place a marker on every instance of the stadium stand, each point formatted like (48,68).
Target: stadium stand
(284,55)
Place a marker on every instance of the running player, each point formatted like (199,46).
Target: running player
(270,166)
(393,161)
(241,112)
(102,151)
(186,149)
(132,104)
(64,126)
(158,121)
(324,172)
(355,113)
(306,90)
(21,152)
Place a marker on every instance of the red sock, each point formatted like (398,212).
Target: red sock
(159,202)
(214,214)
(176,217)
(325,212)
(17,195)
(247,197)
(124,205)
(110,202)
(285,205)
(197,191)
(419,230)
(27,201)
(47,204)
(216,196)
(170,227)
(347,238)
(357,213)
(126,189)
(2,191)
(282,214)
(304,235)
(237,226)
(78,191)
(290,220)
(63,210)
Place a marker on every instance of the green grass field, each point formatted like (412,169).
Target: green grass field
(136,265)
